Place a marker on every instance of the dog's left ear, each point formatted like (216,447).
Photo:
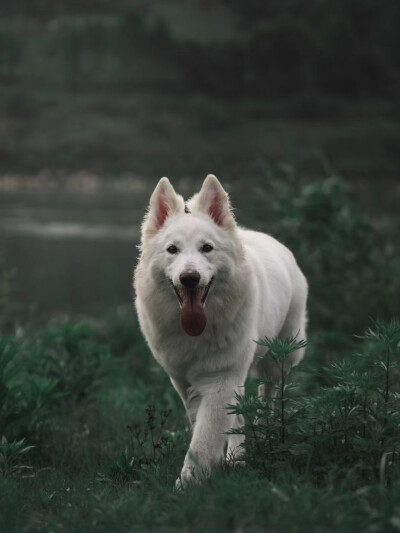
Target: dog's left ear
(213,200)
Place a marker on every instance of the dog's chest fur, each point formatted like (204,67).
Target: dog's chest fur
(213,351)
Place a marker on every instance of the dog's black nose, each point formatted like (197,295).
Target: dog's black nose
(190,278)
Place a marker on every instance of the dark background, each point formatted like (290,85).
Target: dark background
(98,100)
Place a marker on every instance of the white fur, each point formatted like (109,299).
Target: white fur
(258,290)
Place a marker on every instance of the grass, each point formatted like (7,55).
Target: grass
(240,501)
(94,434)
(90,471)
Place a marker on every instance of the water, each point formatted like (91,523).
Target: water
(72,253)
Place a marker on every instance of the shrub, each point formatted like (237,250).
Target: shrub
(353,271)
(352,424)
(71,355)
(25,398)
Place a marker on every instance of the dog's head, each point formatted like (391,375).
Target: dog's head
(191,249)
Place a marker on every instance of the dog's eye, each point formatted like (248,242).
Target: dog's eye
(172,249)
(206,248)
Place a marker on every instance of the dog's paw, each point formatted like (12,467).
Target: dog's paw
(236,464)
(235,457)
(235,461)
(187,477)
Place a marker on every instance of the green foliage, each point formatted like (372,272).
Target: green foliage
(275,48)
(10,456)
(336,448)
(62,365)
(352,424)
(337,48)
(339,249)
(71,355)
(25,398)
(149,445)
(279,351)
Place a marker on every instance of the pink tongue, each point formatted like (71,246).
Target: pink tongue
(193,317)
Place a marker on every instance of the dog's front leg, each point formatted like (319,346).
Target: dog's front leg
(189,397)
(210,430)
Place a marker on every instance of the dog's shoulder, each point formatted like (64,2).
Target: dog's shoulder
(256,241)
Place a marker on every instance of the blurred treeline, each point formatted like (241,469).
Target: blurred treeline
(345,48)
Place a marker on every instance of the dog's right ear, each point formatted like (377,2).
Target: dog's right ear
(164,202)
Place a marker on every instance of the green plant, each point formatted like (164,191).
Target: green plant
(279,351)
(149,444)
(25,399)
(353,423)
(71,355)
(10,456)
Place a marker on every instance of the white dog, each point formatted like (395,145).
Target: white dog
(205,290)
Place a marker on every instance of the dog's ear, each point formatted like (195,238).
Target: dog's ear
(213,200)
(163,202)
